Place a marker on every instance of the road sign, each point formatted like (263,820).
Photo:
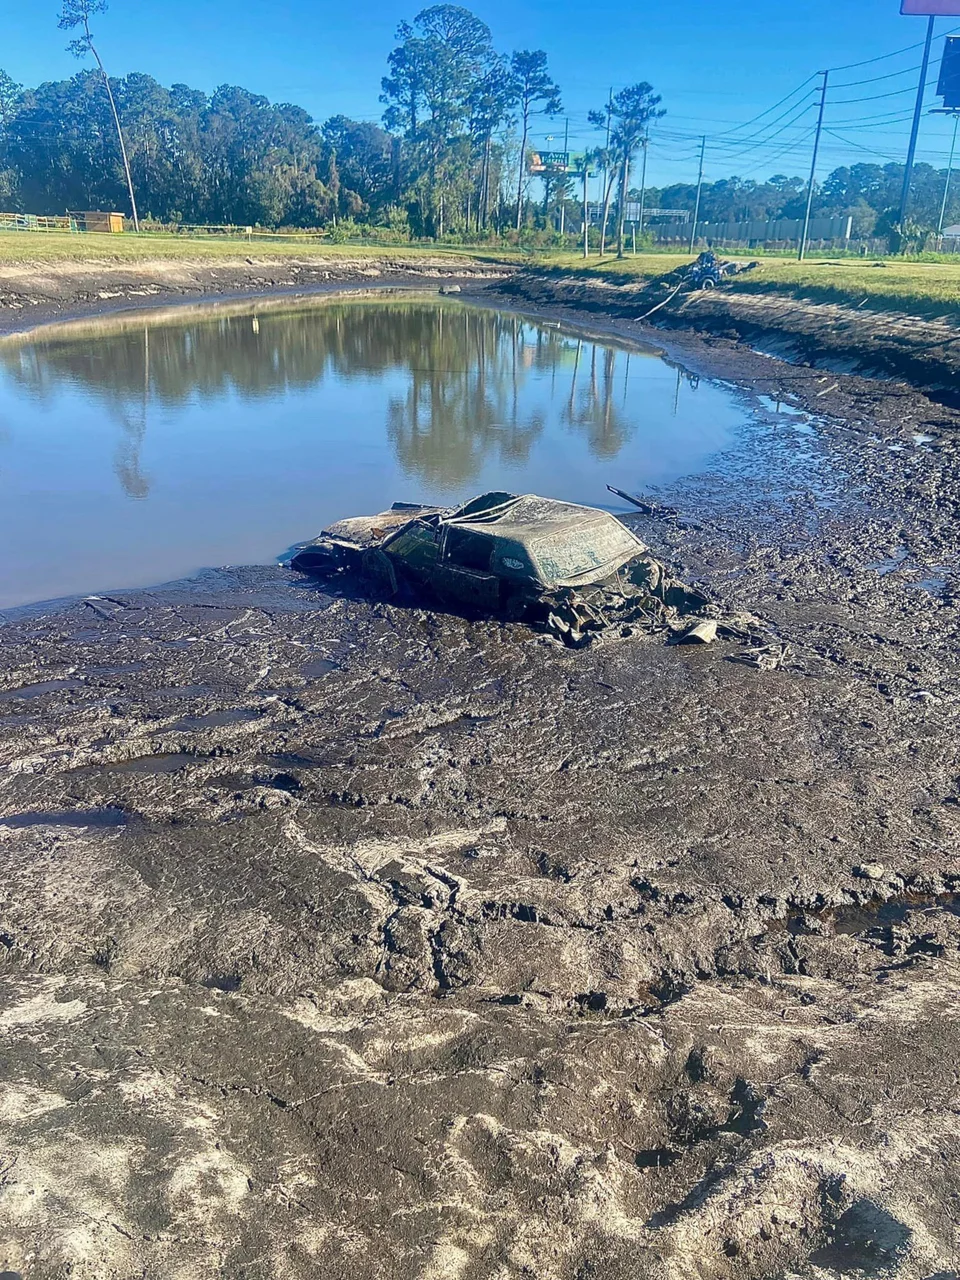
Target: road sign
(931,8)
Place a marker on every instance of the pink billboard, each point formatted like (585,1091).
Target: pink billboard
(931,8)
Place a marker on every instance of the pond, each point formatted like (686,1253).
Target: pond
(140,449)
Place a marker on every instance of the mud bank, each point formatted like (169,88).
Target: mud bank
(36,293)
(848,339)
(342,939)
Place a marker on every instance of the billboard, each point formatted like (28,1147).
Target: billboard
(948,87)
(548,161)
(931,8)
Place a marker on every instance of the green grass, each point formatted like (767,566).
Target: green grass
(929,288)
(918,287)
(60,247)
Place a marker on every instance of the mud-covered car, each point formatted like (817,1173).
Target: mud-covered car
(570,570)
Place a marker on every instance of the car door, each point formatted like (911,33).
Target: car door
(463,575)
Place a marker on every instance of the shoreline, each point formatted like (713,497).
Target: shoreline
(850,339)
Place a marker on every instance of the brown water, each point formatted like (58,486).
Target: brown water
(139,450)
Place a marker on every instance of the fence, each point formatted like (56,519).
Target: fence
(774,233)
(35,222)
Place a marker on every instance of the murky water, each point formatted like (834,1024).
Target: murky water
(137,451)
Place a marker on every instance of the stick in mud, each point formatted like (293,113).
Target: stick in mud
(648,508)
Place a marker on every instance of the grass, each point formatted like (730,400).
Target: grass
(899,284)
(29,247)
(918,287)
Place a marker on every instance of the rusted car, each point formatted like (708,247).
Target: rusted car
(570,570)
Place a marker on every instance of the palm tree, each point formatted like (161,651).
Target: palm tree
(629,114)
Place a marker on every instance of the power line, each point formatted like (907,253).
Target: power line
(868,62)
(748,123)
(891,75)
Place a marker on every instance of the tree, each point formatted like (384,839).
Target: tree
(11,95)
(536,94)
(77,13)
(490,106)
(434,75)
(363,163)
(630,114)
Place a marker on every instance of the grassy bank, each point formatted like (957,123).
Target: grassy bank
(62,247)
(921,288)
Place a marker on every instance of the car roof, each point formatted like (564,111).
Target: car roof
(526,518)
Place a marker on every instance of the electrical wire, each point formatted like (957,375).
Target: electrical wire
(892,75)
(877,97)
(868,62)
(748,123)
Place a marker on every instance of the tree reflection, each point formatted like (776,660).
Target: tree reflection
(590,405)
(464,369)
(126,463)
(461,406)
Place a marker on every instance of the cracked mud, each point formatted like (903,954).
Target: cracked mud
(342,939)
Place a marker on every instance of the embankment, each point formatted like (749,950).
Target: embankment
(855,337)
(33,292)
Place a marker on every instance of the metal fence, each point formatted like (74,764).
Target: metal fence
(36,222)
(768,234)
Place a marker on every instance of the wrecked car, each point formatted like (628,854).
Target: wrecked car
(570,570)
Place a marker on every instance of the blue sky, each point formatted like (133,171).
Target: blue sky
(716,65)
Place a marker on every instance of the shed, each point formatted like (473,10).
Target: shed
(96,220)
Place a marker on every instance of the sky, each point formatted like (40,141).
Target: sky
(718,66)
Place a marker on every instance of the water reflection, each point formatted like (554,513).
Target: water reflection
(234,432)
(464,371)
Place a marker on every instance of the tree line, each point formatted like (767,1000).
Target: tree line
(447,160)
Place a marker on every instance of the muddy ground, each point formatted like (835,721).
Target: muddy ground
(343,939)
(34,293)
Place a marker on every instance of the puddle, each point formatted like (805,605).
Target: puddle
(320,667)
(861,919)
(224,982)
(160,445)
(37,690)
(920,437)
(892,563)
(292,760)
(782,407)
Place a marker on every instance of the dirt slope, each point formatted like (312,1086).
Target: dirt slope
(853,339)
(31,293)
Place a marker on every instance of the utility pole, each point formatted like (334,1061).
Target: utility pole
(696,207)
(643,182)
(801,251)
(606,144)
(915,130)
(566,152)
(946,185)
(586,210)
